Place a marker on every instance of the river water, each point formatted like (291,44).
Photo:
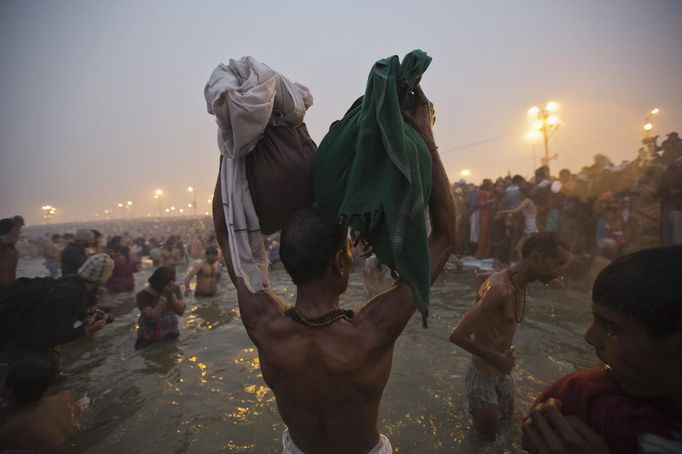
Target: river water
(204,393)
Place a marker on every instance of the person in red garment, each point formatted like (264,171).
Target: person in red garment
(633,403)
(326,366)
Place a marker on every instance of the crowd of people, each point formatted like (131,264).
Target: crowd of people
(603,210)
(535,229)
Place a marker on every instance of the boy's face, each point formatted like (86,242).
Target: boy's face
(642,366)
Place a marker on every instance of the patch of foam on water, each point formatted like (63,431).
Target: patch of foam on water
(84,402)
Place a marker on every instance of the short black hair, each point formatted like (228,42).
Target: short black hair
(547,244)
(308,241)
(646,286)
(518,179)
(161,277)
(28,378)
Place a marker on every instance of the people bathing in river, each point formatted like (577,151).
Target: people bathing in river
(75,254)
(487,330)
(633,403)
(207,273)
(39,422)
(160,303)
(327,366)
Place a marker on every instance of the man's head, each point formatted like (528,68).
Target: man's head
(637,327)
(211,254)
(545,255)
(84,237)
(10,229)
(312,245)
(27,379)
(56,237)
(161,277)
(518,179)
(97,269)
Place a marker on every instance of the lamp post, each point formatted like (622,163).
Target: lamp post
(157,195)
(648,125)
(191,190)
(546,122)
(48,213)
(129,206)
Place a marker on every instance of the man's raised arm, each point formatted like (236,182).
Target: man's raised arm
(252,307)
(391,310)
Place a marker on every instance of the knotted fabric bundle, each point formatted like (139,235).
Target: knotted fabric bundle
(247,97)
(374,170)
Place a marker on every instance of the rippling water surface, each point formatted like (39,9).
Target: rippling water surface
(204,393)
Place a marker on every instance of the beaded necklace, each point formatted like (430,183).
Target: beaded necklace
(325,320)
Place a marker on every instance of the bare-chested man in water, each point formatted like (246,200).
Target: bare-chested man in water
(207,273)
(40,422)
(487,330)
(327,367)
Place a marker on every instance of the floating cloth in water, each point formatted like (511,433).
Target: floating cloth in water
(374,170)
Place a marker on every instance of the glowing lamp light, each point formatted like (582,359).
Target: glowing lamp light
(189,205)
(172,208)
(533,111)
(190,189)
(465,172)
(167,210)
(655,111)
(533,135)
(538,125)
(182,210)
(129,203)
(120,205)
(648,127)
(552,106)
(158,193)
(552,120)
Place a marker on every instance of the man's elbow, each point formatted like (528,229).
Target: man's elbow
(456,337)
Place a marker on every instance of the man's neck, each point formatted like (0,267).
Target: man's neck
(520,274)
(316,299)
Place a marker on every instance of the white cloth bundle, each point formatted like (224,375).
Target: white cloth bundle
(246,96)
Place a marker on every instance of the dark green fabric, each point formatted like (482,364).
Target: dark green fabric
(374,170)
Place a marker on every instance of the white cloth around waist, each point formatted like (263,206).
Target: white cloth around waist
(288,446)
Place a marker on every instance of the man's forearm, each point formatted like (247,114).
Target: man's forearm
(442,214)
(473,347)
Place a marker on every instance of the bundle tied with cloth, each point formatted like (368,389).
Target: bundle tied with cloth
(374,170)
(266,157)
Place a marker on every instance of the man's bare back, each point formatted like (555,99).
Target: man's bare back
(329,387)
(47,424)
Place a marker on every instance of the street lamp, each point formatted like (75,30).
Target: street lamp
(545,123)
(48,212)
(648,125)
(191,190)
(157,195)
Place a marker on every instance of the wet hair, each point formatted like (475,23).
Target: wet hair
(160,278)
(646,286)
(308,241)
(546,244)
(211,250)
(28,378)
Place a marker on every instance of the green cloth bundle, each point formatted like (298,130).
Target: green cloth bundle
(374,170)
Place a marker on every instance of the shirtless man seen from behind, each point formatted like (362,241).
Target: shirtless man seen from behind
(40,422)
(207,273)
(327,367)
(487,330)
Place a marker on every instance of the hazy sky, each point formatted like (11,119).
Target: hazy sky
(102,102)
